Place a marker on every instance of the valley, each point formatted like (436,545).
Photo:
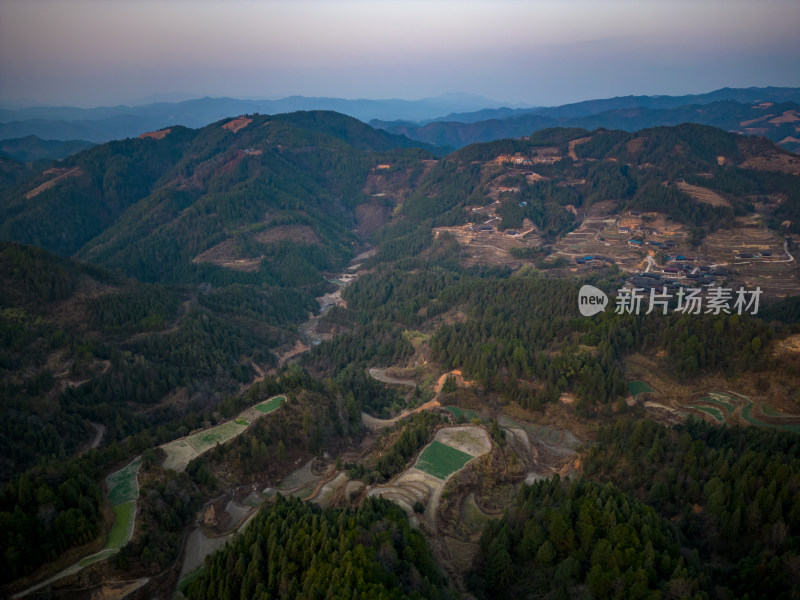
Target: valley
(298,319)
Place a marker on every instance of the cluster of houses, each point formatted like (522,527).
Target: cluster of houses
(593,259)
(697,276)
(681,257)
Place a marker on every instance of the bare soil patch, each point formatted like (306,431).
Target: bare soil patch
(574,143)
(492,247)
(756,120)
(60,175)
(788,116)
(236,124)
(335,487)
(470,439)
(225,254)
(292,352)
(702,194)
(382,375)
(156,135)
(302,234)
(773,159)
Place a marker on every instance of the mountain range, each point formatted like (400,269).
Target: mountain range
(156,286)
(777,118)
(103,124)
(467,119)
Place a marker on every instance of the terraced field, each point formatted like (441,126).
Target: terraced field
(599,236)
(776,275)
(550,435)
(715,413)
(181,451)
(723,407)
(721,400)
(268,406)
(205,440)
(122,485)
(123,524)
(300,483)
(452,448)
(747,416)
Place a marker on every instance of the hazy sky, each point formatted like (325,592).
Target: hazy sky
(541,52)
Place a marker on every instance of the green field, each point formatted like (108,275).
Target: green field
(122,486)
(268,406)
(440,460)
(709,410)
(753,421)
(462,414)
(220,434)
(118,536)
(306,491)
(639,387)
(103,554)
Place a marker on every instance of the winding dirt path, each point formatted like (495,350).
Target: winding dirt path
(375,424)
(380,375)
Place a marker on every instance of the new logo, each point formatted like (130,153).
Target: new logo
(591,300)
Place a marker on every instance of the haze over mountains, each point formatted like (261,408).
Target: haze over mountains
(115,122)
(450,121)
(769,112)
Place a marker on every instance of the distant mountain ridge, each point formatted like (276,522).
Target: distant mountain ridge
(106,123)
(778,121)
(103,124)
(590,107)
(32,148)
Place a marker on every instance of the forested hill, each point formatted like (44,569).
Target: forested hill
(775,120)
(370,552)
(82,345)
(563,172)
(149,206)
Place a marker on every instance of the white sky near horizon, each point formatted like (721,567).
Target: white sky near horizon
(539,52)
